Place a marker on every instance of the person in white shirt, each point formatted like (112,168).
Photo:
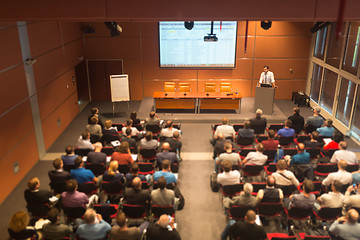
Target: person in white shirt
(343,154)
(84,141)
(228,177)
(225,129)
(284,177)
(256,158)
(267,77)
(351,201)
(134,131)
(342,175)
(169,130)
(333,199)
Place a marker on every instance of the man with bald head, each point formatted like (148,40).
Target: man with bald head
(136,195)
(344,154)
(346,227)
(342,175)
(270,194)
(243,230)
(94,227)
(163,229)
(301,157)
(166,154)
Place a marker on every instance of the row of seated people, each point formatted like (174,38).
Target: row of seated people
(282,194)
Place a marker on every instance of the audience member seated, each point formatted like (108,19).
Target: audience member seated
(246,131)
(94,128)
(299,164)
(271,143)
(153,119)
(55,229)
(148,142)
(314,122)
(81,174)
(69,158)
(346,227)
(84,141)
(34,195)
(94,228)
(112,174)
(96,156)
(327,130)
(332,199)
(343,154)
(133,117)
(175,144)
(243,230)
(19,229)
(314,141)
(163,229)
(168,131)
(73,198)
(165,172)
(134,173)
(131,141)
(286,131)
(297,120)
(233,157)
(257,157)
(303,200)
(165,154)
(284,177)
(258,123)
(270,194)
(219,145)
(122,154)
(134,131)
(228,177)
(162,196)
(227,130)
(341,175)
(245,199)
(109,131)
(58,175)
(136,195)
(121,231)
(95,113)
(301,157)
(334,144)
(352,200)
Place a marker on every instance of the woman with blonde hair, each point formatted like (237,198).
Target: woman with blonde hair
(112,174)
(18,227)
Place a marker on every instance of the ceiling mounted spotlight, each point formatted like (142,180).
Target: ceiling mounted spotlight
(114,28)
(189,25)
(266,24)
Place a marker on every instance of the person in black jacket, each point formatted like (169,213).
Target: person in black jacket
(34,195)
(164,229)
(297,120)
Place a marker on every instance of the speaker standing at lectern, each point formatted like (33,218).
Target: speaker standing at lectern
(266,78)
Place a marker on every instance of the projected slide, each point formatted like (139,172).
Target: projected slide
(200,47)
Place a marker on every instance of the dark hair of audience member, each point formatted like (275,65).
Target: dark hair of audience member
(308,186)
(128,131)
(124,147)
(57,163)
(33,183)
(165,164)
(148,136)
(338,136)
(94,120)
(134,168)
(271,133)
(69,149)
(53,215)
(227,165)
(77,162)
(162,182)
(85,134)
(121,219)
(19,221)
(71,185)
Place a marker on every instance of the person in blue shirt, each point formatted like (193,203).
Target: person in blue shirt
(94,227)
(69,158)
(286,131)
(301,157)
(327,130)
(81,174)
(165,172)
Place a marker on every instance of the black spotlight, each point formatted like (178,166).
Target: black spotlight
(112,26)
(266,25)
(189,25)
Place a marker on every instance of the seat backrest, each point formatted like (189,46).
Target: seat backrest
(310,237)
(314,152)
(261,138)
(245,141)
(169,87)
(245,151)
(146,168)
(237,127)
(325,168)
(287,190)
(184,87)
(270,153)
(276,127)
(302,138)
(329,213)
(232,190)
(210,87)
(112,187)
(148,153)
(352,167)
(108,150)
(134,211)
(285,140)
(258,185)
(252,170)
(290,151)
(74,212)
(238,212)
(97,169)
(58,187)
(155,129)
(270,209)
(38,210)
(160,210)
(82,151)
(299,213)
(107,211)
(124,168)
(88,188)
(225,87)
(118,126)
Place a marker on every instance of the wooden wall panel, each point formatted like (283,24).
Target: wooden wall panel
(43,37)
(289,86)
(54,94)
(281,68)
(150,46)
(66,112)
(72,52)
(13,87)
(16,124)
(243,70)
(9,47)
(71,31)
(26,154)
(240,47)
(151,70)
(134,70)
(282,28)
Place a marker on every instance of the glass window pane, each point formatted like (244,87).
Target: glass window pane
(328,90)
(352,49)
(315,82)
(320,43)
(355,126)
(345,101)
(333,54)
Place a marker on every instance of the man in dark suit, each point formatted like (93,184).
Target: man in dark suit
(166,154)
(58,175)
(258,123)
(136,195)
(297,120)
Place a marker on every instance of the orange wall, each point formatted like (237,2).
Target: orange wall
(283,47)
(56,47)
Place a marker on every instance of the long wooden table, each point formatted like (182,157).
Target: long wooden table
(197,101)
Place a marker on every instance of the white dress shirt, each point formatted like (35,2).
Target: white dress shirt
(267,78)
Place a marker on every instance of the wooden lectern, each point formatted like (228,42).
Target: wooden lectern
(264,99)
